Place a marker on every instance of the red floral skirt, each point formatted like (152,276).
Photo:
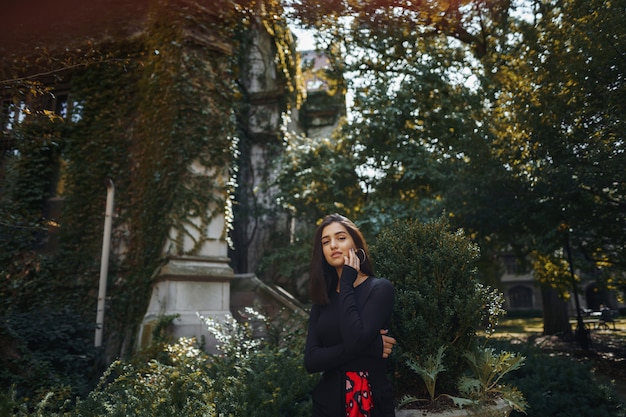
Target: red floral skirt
(358,394)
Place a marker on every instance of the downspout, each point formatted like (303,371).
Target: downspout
(104,263)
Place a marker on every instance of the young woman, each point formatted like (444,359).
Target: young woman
(347,336)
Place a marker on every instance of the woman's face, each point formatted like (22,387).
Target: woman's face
(336,243)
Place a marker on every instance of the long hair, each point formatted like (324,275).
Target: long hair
(322,276)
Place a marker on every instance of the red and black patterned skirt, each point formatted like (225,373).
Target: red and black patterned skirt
(358,394)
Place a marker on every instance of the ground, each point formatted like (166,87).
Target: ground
(607,353)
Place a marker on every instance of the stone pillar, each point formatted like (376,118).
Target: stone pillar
(195,280)
(186,287)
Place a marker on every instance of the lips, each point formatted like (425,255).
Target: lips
(336,254)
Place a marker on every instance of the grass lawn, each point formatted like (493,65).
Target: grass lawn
(515,327)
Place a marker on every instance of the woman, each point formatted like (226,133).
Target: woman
(347,336)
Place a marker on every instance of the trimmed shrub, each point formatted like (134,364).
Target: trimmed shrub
(439,301)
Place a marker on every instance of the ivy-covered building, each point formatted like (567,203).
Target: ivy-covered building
(181,105)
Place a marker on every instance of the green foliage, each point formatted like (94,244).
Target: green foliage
(159,119)
(28,277)
(488,368)
(31,169)
(318,177)
(439,301)
(260,370)
(479,388)
(157,114)
(257,371)
(46,350)
(175,386)
(553,126)
(513,125)
(433,366)
(559,386)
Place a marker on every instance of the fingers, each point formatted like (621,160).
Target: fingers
(387,350)
(352,260)
(389,340)
(388,343)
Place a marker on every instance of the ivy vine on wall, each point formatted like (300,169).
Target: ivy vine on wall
(158,117)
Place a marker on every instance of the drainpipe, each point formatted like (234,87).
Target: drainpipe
(104,263)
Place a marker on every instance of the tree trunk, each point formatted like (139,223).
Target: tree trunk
(555,317)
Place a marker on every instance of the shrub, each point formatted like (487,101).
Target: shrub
(179,387)
(558,386)
(260,370)
(439,303)
(47,351)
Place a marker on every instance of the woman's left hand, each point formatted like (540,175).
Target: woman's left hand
(352,260)
(388,343)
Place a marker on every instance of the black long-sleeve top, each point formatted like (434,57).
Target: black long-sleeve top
(344,335)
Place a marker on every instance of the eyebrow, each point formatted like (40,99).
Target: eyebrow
(341,232)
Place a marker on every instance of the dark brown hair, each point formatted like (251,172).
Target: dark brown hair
(322,276)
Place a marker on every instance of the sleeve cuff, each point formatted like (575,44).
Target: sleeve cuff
(348,275)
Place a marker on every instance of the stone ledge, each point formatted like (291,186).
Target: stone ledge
(500,409)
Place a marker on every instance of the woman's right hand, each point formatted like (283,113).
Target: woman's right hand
(388,343)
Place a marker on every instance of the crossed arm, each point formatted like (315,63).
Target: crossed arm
(362,333)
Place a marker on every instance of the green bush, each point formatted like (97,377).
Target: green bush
(179,386)
(439,301)
(47,351)
(260,370)
(257,371)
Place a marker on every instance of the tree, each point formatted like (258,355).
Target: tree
(514,125)
(415,118)
(561,129)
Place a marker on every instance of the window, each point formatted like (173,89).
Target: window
(12,114)
(513,266)
(521,297)
(61,103)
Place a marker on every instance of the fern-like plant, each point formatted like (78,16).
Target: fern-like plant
(488,368)
(429,371)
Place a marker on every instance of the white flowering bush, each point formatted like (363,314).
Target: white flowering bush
(258,371)
(260,367)
(179,387)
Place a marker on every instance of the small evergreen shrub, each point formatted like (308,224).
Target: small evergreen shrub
(439,301)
